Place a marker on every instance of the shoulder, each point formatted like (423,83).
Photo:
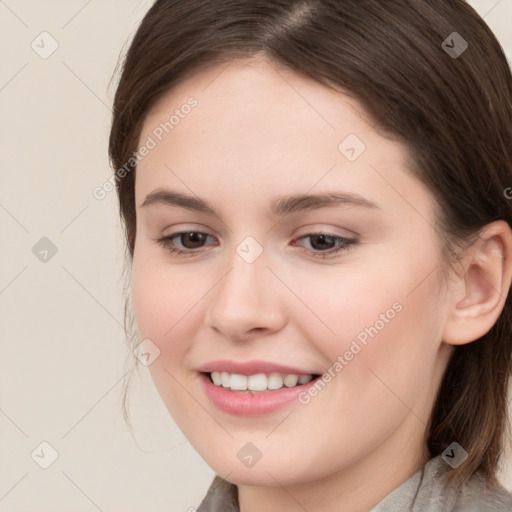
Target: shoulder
(477,495)
(425,491)
(428,491)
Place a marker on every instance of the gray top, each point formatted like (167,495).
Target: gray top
(425,491)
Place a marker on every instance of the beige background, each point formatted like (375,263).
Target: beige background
(63,354)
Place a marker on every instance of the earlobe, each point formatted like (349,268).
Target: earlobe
(479,294)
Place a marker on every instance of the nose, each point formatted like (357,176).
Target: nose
(247,302)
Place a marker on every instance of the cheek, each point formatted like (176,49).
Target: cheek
(375,327)
(162,294)
(166,304)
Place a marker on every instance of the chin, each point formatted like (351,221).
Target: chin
(258,478)
(262,473)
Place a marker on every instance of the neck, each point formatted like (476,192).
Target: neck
(358,486)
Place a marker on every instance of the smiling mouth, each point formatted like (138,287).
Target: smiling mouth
(258,383)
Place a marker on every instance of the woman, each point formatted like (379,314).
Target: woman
(317,221)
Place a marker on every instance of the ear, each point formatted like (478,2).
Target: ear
(479,293)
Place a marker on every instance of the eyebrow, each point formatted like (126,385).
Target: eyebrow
(283,205)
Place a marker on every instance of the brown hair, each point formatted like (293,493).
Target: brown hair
(453,112)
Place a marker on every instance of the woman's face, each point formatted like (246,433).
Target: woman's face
(308,249)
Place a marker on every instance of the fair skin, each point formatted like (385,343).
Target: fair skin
(260,132)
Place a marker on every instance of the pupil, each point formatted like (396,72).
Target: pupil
(195,239)
(326,242)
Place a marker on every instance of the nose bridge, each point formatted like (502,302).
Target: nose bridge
(243,287)
(245,298)
(241,283)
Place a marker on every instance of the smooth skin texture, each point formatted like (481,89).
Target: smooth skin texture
(260,132)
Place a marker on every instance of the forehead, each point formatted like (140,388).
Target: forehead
(257,100)
(261,127)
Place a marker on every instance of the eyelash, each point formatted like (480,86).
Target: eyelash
(344,244)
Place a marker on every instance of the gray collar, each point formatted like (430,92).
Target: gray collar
(425,491)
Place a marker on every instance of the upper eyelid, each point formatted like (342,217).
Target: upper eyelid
(186,231)
(177,234)
(310,231)
(344,239)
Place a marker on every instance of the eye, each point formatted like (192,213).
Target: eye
(323,245)
(189,241)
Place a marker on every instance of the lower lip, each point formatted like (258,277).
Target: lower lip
(248,404)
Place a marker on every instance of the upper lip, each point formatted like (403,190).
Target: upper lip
(250,367)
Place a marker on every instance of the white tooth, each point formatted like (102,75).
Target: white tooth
(238,382)
(275,381)
(257,382)
(225,379)
(290,380)
(304,379)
